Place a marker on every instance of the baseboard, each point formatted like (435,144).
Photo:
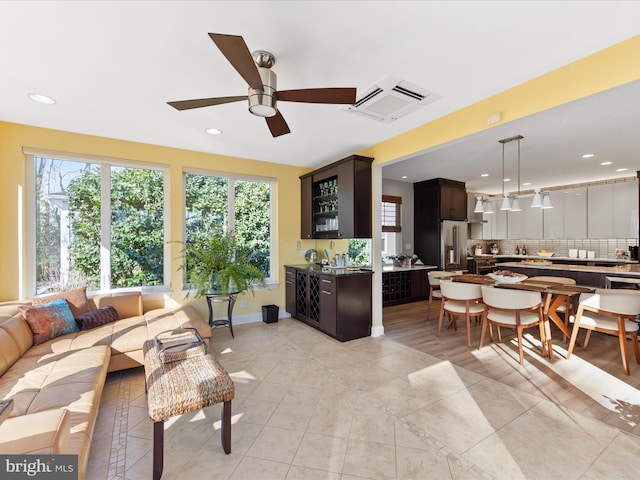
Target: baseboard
(377,331)
(255,317)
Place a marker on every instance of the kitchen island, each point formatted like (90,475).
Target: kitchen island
(405,284)
(591,275)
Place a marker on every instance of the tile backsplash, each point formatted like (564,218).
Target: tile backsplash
(604,247)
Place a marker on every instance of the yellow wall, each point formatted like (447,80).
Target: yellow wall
(601,71)
(14,137)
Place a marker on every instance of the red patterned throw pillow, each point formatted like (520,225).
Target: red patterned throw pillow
(76,298)
(50,320)
(96,318)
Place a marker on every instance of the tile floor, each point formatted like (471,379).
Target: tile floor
(309,407)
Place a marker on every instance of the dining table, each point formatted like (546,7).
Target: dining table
(555,295)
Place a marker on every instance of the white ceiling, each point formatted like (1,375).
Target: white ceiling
(112,66)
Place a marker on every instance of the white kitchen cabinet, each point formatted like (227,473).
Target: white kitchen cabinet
(568,217)
(527,223)
(495,227)
(599,211)
(625,209)
(574,212)
(553,218)
(612,210)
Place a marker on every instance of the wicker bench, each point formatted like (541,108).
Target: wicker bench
(184,386)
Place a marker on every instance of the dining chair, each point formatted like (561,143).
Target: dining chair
(434,277)
(516,309)
(611,311)
(568,305)
(460,299)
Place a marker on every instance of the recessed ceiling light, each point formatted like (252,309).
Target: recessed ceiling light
(506,180)
(403,176)
(587,155)
(213,131)
(621,169)
(484,175)
(38,97)
(525,184)
(606,163)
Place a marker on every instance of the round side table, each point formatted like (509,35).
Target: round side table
(230,298)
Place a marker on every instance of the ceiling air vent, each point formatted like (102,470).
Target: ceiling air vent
(389,99)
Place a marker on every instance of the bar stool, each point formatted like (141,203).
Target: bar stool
(611,311)
(460,299)
(434,277)
(517,309)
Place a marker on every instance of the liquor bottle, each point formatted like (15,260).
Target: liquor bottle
(517,249)
(523,250)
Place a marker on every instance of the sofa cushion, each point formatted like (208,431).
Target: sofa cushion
(76,298)
(126,304)
(50,320)
(97,318)
(43,433)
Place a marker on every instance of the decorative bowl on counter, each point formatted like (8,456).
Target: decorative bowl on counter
(545,253)
(510,277)
(537,261)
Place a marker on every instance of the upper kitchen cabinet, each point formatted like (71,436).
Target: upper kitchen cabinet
(613,210)
(447,198)
(495,224)
(336,200)
(527,223)
(568,217)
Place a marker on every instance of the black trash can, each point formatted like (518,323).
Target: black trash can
(270,313)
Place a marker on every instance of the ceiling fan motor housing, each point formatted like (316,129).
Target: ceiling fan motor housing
(262,103)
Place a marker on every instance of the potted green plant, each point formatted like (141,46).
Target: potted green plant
(217,263)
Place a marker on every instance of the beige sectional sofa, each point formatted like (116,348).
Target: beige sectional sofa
(56,386)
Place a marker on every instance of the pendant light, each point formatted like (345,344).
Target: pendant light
(506,204)
(479,208)
(546,200)
(537,199)
(488,209)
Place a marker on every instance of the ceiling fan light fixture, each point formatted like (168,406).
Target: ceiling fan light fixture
(262,103)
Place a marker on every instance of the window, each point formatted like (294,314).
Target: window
(243,205)
(391,206)
(97,224)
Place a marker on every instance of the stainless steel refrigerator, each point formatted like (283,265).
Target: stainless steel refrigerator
(453,244)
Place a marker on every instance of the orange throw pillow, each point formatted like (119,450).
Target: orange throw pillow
(77,300)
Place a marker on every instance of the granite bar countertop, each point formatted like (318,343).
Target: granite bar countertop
(337,271)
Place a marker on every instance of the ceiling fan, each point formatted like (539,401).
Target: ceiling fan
(255,69)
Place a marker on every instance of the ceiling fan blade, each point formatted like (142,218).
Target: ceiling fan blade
(277,125)
(234,48)
(318,95)
(204,102)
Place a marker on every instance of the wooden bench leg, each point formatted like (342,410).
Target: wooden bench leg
(158,449)
(226,426)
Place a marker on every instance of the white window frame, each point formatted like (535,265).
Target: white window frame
(105,218)
(231,218)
